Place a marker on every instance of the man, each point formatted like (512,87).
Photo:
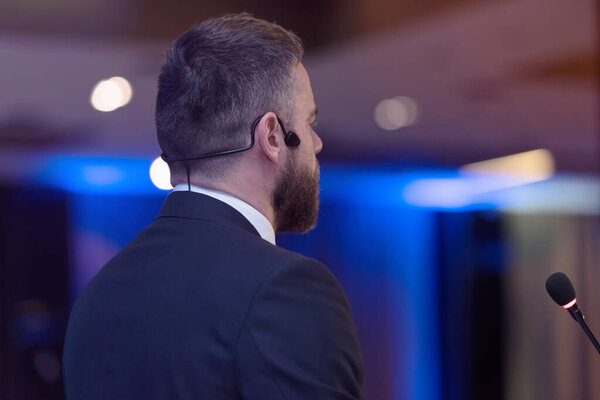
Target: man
(202,304)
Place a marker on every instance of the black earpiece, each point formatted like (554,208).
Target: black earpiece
(291,139)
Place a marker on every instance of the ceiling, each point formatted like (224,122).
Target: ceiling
(491,78)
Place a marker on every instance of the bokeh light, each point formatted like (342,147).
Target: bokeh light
(110,94)
(160,174)
(396,113)
(125,87)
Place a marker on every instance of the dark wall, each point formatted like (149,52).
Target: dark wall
(33,292)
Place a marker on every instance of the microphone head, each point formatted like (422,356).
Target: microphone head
(561,289)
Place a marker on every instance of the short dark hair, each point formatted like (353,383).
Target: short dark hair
(219,76)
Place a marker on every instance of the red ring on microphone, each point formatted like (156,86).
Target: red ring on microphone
(570,304)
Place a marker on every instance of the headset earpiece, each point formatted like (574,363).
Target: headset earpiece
(291,139)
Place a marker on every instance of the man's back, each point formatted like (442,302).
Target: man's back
(199,306)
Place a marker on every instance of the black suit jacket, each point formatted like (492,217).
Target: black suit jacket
(199,306)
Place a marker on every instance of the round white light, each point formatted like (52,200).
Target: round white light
(125,88)
(106,96)
(160,174)
(395,113)
(110,94)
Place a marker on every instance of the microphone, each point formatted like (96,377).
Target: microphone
(561,290)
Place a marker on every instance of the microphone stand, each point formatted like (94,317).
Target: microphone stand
(577,315)
(590,335)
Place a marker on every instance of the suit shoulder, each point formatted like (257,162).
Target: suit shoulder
(276,258)
(298,265)
(299,333)
(295,265)
(298,275)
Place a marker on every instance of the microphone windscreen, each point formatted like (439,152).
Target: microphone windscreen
(560,288)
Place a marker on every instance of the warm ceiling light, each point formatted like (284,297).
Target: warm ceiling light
(531,166)
(480,179)
(110,94)
(395,113)
(160,174)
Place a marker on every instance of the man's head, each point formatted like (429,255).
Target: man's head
(218,78)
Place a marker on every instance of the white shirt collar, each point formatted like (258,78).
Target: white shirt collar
(258,220)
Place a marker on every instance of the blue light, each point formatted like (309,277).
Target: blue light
(435,190)
(102,175)
(452,191)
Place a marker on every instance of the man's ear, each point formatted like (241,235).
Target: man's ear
(268,137)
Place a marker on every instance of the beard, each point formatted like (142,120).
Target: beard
(296,198)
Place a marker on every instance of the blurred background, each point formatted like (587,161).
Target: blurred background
(459,170)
